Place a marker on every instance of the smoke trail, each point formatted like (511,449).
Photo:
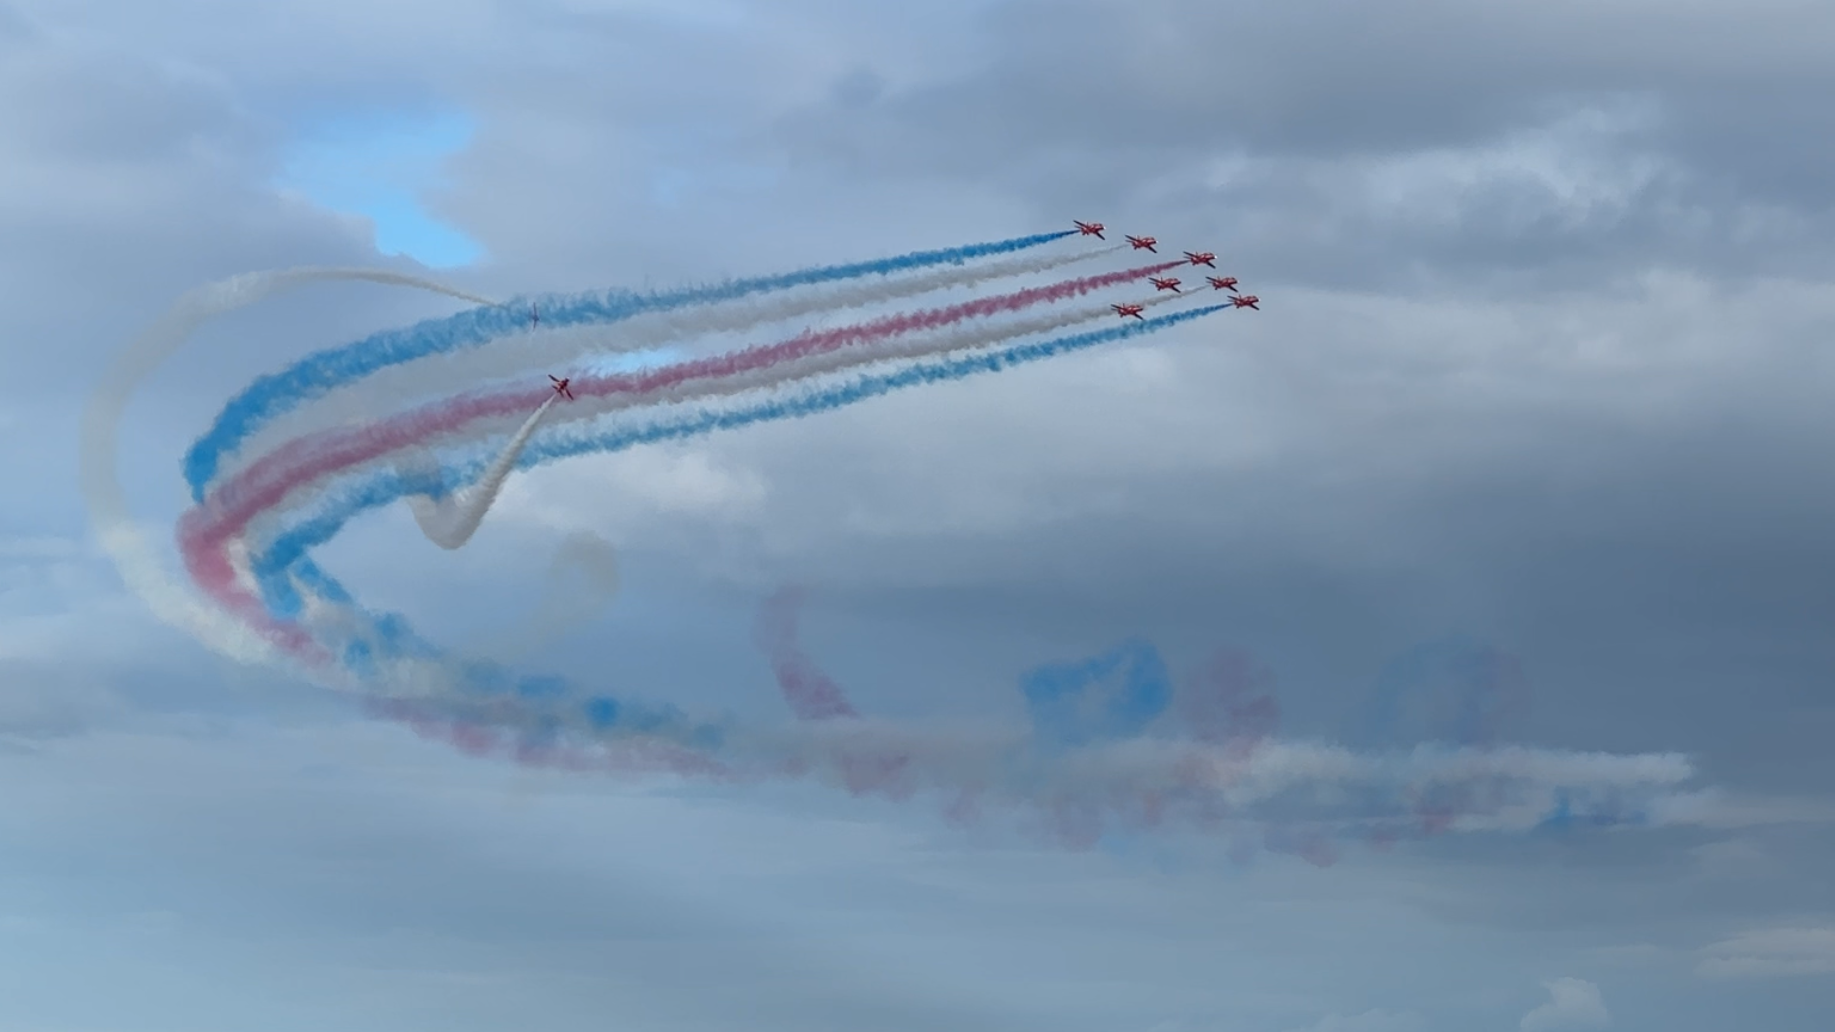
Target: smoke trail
(446,372)
(811,693)
(271,563)
(1448,690)
(133,557)
(317,375)
(293,472)
(1106,773)
(451,525)
(1293,797)
(1230,701)
(749,369)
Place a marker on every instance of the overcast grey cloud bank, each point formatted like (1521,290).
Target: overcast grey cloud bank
(1542,361)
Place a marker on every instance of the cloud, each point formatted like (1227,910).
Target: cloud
(1368,1021)
(1771,953)
(40,702)
(1573,1002)
(1542,363)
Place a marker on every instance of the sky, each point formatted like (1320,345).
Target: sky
(1523,456)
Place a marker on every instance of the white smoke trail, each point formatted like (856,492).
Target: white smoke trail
(450,522)
(1297,785)
(133,556)
(565,347)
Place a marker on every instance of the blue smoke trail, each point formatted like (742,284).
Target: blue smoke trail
(277,393)
(271,566)
(479,683)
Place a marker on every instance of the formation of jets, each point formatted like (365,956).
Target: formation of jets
(1095,229)
(1147,243)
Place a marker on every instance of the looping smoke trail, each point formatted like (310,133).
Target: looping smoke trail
(133,557)
(1113,745)
(293,472)
(286,550)
(294,475)
(241,632)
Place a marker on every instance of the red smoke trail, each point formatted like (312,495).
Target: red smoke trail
(1230,701)
(812,694)
(329,451)
(204,531)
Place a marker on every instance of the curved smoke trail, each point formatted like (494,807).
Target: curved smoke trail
(450,524)
(475,414)
(290,475)
(550,350)
(1111,743)
(319,374)
(273,560)
(120,537)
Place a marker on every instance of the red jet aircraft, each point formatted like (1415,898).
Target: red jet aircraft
(1165,284)
(1223,283)
(1201,258)
(560,386)
(1247,301)
(1143,243)
(1126,310)
(1090,229)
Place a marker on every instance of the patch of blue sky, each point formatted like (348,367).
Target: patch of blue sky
(635,361)
(380,165)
